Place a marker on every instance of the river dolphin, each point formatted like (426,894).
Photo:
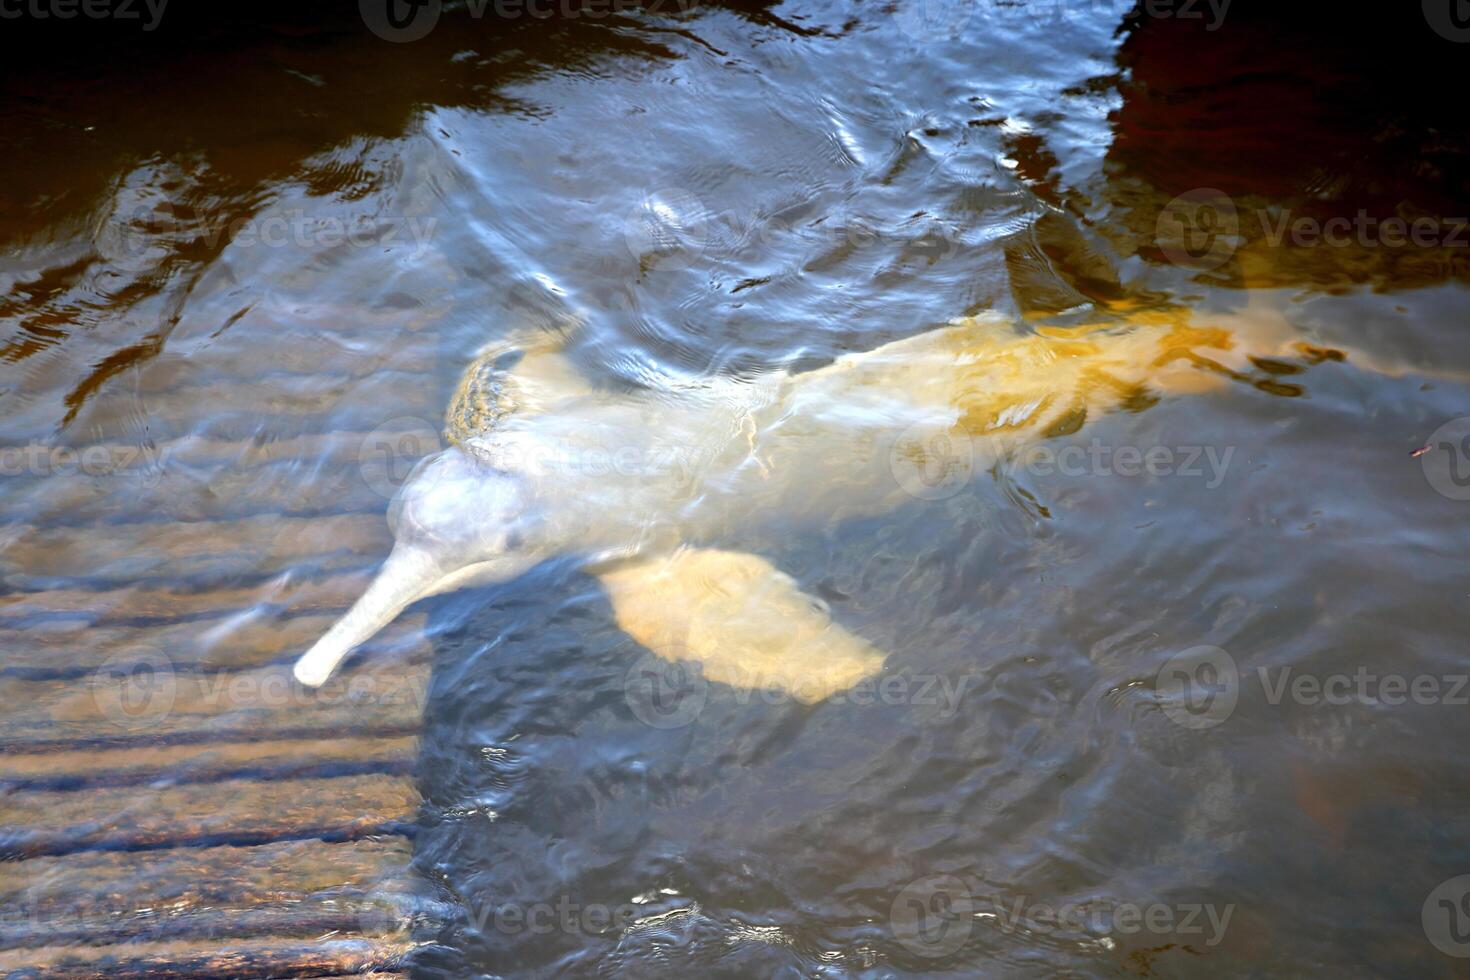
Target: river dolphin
(646,488)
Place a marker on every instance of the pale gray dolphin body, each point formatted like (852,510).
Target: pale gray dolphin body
(639,486)
(633,483)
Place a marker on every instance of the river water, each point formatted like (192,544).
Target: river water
(1200,716)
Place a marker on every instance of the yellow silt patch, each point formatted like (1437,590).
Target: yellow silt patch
(1053,380)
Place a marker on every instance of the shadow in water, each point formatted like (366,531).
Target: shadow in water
(567,800)
(1312,116)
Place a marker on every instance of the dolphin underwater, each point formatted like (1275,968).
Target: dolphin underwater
(640,487)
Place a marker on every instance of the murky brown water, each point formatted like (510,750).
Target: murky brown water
(1174,687)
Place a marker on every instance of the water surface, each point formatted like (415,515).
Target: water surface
(256,256)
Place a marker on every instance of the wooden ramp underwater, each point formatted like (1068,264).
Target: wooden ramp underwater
(171,803)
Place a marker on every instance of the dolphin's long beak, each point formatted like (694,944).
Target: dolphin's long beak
(407,575)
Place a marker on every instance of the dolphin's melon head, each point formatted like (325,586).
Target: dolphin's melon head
(458,521)
(461,509)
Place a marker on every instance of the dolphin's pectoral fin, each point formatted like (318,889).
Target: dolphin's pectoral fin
(744,621)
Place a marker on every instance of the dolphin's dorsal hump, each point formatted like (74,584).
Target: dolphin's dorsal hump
(527,373)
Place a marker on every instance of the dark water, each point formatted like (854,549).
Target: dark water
(741,187)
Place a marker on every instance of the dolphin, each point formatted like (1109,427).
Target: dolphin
(645,488)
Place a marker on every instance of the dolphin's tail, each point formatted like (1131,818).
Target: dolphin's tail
(408,574)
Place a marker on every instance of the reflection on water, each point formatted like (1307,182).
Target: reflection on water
(248,263)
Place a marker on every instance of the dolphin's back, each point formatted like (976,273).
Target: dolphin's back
(526,373)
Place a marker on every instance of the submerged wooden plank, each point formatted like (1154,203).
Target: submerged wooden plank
(215,491)
(234,812)
(149,702)
(140,604)
(210,817)
(341,914)
(201,878)
(275,393)
(261,364)
(207,960)
(153,765)
(196,476)
(201,553)
(71,650)
(244,409)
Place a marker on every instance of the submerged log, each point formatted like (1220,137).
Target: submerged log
(243,812)
(69,650)
(156,705)
(197,879)
(207,961)
(199,554)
